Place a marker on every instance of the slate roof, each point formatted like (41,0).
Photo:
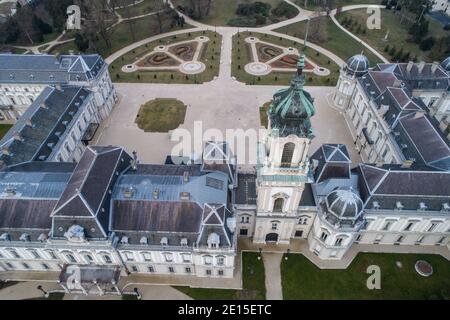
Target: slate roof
(332,161)
(246,190)
(90,181)
(49,69)
(391,183)
(41,127)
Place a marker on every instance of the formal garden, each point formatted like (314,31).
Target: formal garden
(161,115)
(243,56)
(253,283)
(171,59)
(399,280)
(237,13)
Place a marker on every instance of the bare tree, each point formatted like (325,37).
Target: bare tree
(318,28)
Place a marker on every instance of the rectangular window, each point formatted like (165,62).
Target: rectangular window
(129,256)
(220,261)
(168,257)
(207,260)
(399,239)
(52,254)
(134,269)
(25,265)
(387,225)
(324,236)
(208,272)
(420,239)
(299,233)
(243,232)
(338,242)
(274,226)
(220,272)
(441,240)
(45,266)
(409,226)
(432,227)
(9,265)
(35,254)
(171,270)
(151,269)
(147,256)
(188,270)
(186,257)
(14,254)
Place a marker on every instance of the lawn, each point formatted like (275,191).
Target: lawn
(210,57)
(242,56)
(312,4)
(303,280)
(138,9)
(254,286)
(4,128)
(335,40)
(263,114)
(161,115)
(52,296)
(398,33)
(224,11)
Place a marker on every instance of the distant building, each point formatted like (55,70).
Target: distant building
(53,128)
(24,77)
(397,113)
(441,5)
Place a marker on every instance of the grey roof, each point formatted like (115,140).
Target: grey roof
(49,69)
(391,183)
(446,64)
(156,216)
(217,156)
(307,199)
(357,65)
(344,203)
(41,127)
(26,213)
(90,181)
(245,192)
(333,161)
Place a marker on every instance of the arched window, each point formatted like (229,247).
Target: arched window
(278,205)
(288,152)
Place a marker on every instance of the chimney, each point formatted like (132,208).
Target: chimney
(18,137)
(186,176)
(184,195)
(409,66)
(419,114)
(407,164)
(420,67)
(134,161)
(434,67)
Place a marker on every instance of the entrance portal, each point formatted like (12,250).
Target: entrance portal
(272,237)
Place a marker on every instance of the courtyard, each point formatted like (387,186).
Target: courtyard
(224,105)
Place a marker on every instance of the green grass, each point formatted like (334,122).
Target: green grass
(303,280)
(212,65)
(263,114)
(253,283)
(139,9)
(129,297)
(241,56)
(4,128)
(222,11)
(398,33)
(337,40)
(312,4)
(161,115)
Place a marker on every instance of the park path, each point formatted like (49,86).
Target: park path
(365,44)
(272,272)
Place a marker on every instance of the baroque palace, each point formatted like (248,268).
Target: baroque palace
(104,210)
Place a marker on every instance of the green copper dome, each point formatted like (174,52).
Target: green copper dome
(292,108)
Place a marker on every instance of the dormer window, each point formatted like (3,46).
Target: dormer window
(144,240)
(124,240)
(213,240)
(164,241)
(184,242)
(398,205)
(423,206)
(445,206)
(375,205)
(25,237)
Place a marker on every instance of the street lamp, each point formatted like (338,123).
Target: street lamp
(138,295)
(45,293)
(260,251)
(287,253)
